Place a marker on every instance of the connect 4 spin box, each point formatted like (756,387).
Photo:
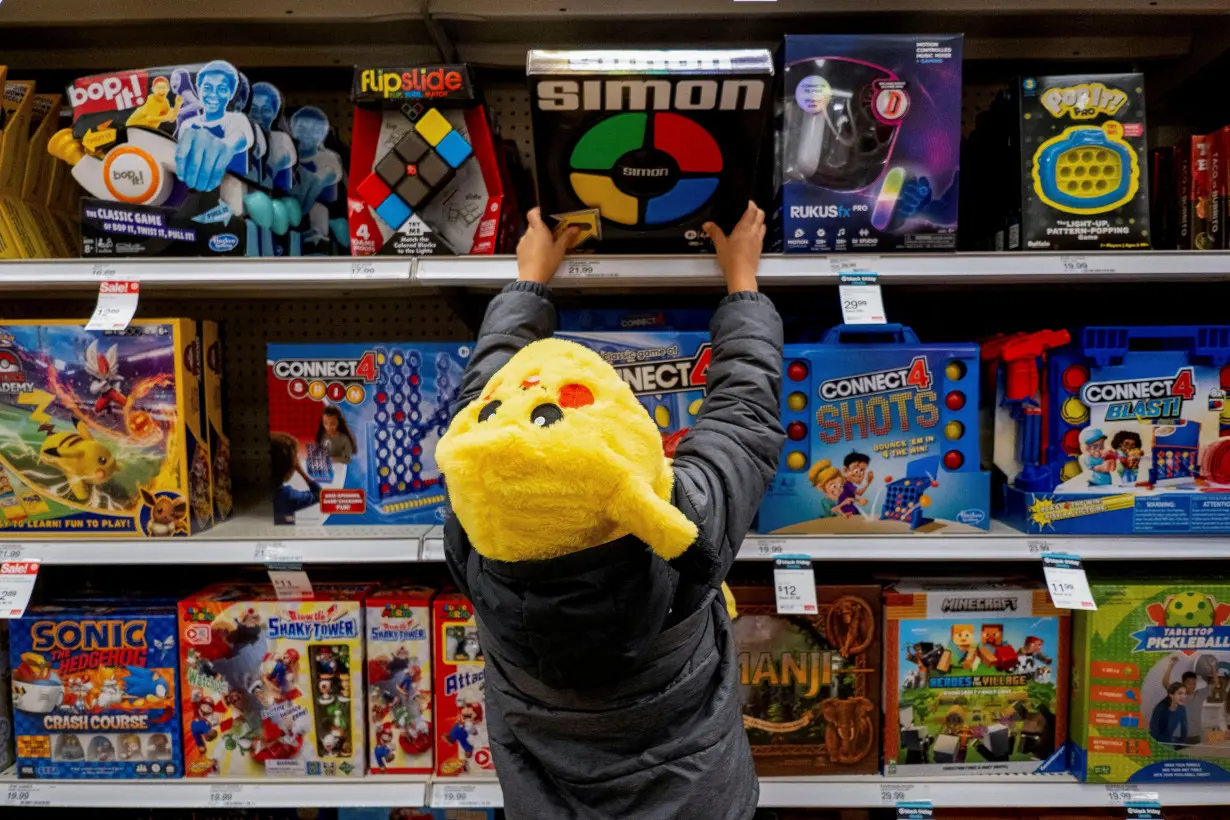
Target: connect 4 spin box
(353,430)
(882,437)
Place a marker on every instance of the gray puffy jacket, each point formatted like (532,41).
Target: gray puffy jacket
(612,678)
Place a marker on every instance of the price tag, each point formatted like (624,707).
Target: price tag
(433,549)
(278,552)
(861,300)
(915,810)
(1066,581)
(10,552)
(1144,810)
(795,583)
(893,793)
(1074,264)
(769,547)
(1037,547)
(16,584)
(458,796)
(588,269)
(103,272)
(117,304)
(362,270)
(229,796)
(847,264)
(23,793)
(290,582)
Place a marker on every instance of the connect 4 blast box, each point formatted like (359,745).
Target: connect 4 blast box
(101,432)
(273,687)
(882,437)
(976,679)
(462,745)
(95,692)
(399,680)
(648,145)
(353,429)
(1110,430)
(666,370)
(424,172)
(1083,149)
(1151,682)
(870,142)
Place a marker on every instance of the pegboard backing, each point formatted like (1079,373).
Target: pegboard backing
(510,104)
(248,325)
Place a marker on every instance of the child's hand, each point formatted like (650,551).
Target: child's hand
(538,253)
(739,253)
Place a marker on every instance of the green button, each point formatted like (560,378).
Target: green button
(609,140)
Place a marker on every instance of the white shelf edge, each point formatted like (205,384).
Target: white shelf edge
(336,272)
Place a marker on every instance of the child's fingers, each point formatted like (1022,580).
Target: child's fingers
(534,217)
(749,216)
(760,232)
(715,233)
(567,238)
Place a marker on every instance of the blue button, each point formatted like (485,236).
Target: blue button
(685,197)
(394,212)
(1129,721)
(454,149)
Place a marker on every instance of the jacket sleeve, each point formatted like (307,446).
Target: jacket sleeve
(725,463)
(520,314)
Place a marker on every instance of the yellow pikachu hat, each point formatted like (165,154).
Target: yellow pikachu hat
(558,456)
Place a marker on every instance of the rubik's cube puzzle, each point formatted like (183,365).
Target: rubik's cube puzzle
(424,173)
(386,405)
(1151,682)
(1133,434)
(882,436)
(666,370)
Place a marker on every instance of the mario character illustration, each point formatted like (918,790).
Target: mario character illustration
(1126,445)
(205,720)
(283,674)
(214,139)
(1097,459)
(469,720)
(994,652)
(384,753)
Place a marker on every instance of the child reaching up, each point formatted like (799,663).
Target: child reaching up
(595,564)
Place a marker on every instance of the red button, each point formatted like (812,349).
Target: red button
(1074,377)
(953,459)
(796,430)
(955,400)
(797,371)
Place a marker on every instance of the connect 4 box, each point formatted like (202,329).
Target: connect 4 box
(353,430)
(398,623)
(1130,434)
(882,436)
(462,745)
(1151,682)
(665,369)
(95,692)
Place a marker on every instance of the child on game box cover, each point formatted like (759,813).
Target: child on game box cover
(596,564)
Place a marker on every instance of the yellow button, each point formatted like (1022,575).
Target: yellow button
(662,416)
(796,401)
(796,461)
(600,192)
(433,127)
(694,407)
(317,390)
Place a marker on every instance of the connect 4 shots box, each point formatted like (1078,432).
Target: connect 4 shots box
(656,142)
(101,432)
(870,142)
(95,692)
(1128,436)
(424,173)
(976,679)
(882,437)
(273,688)
(1151,682)
(399,680)
(666,370)
(1084,180)
(462,745)
(353,430)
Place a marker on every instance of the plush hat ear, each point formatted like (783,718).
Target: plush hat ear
(658,523)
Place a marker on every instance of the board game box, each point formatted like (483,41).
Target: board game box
(811,683)
(462,745)
(1151,682)
(882,437)
(6,703)
(870,142)
(665,369)
(398,624)
(652,143)
(273,688)
(95,691)
(213,365)
(976,679)
(353,430)
(102,432)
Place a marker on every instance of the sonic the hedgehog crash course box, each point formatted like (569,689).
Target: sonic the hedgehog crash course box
(94,692)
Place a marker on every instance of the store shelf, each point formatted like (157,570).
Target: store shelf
(798,269)
(249,537)
(215,793)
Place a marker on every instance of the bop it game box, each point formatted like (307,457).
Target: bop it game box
(666,370)
(1129,434)
(94,692)
(273,688)
(811,683)
(462,747)
(101,432)
(1084,184)
(976,679)
(882,437)
(1151,682)
(870,137)
(425,175)
(399,680)
(657,142)
(353,430)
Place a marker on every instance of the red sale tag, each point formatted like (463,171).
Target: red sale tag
(16,585)
(117,304)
